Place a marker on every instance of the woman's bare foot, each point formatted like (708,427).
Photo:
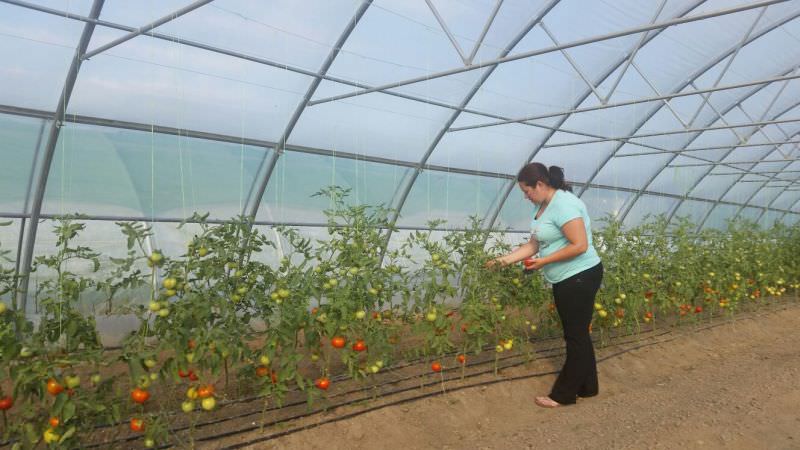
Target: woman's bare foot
(547,402)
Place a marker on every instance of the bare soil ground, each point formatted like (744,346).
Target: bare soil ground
(732,386)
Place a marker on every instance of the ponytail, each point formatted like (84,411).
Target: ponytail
(556,175)
(535,172)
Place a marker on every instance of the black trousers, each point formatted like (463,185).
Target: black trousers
(574,299)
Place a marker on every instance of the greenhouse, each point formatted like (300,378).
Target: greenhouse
(226,222)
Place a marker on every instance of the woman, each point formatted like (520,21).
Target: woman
(561,235)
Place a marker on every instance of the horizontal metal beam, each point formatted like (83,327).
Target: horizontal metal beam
(701,149)
(270,63)
(13,215)
(727,163)
(529,54)
(760,173)
(637,101)
(144,29)
(673,132)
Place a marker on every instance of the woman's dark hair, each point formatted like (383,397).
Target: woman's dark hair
(553,177)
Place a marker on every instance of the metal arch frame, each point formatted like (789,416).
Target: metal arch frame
(772,177)
(746,203)
(144,29)
(769,205)
(731,149)
(47,158)
(405,188)
(680,87)
(494,212)
(177,40)
(271,159)
(532,53)
(697,182)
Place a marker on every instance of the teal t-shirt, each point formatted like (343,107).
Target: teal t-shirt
(563,207)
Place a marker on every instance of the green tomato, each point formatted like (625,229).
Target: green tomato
(333,282)
(283,293)
(149,443)
(169,283)
(274,296)
(202,251)
(154,306)
(314,357)
(241,291)
(25,352)
(3,307)
(187,406)
(149,363)
(156,257)
(373,291)
(143,382)
(374,368)
(190,357)
(379,363)
(430,316)
(154,376)
(72,381)
(95,379)
(163,312)
(360,315)
(353,270)
(264,360)
(208,403)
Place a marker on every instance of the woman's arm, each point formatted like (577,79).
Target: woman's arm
(525,250)
(575,232)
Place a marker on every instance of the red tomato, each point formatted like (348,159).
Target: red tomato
(436,366)
(649,294)
(698,309)
(323,383)
(193,376)
(191,344)
(338,342)
(54,422)
(273,376)
(528,263)
(6,403)
(262,371)
(137,425)
(205,391)
(461,359)
(139,396)
(54,387)
(359,346)
(182,373)
(314,310)
(649,315)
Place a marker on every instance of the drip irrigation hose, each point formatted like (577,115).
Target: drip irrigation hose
(360,399)
(436,393)
(395,381)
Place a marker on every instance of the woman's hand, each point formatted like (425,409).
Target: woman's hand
(496,262)
(535,263)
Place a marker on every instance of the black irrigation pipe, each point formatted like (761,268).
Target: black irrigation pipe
(395,381)
(403,401)
(354,401)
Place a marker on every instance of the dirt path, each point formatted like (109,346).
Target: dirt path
(735,386)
